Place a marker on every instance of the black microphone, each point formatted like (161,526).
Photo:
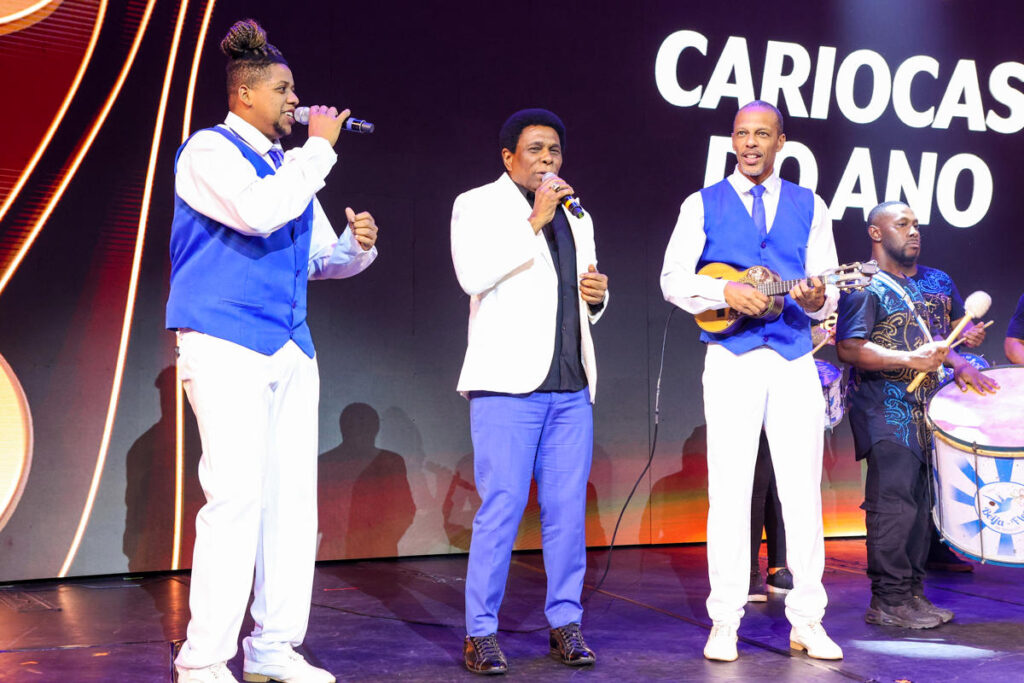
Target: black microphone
(571,204)
(351,124)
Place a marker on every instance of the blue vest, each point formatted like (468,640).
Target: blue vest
(245,289)
(733,238)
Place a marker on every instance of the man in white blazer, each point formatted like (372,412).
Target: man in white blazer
(530,269)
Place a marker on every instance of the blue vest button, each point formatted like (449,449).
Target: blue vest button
(764,245)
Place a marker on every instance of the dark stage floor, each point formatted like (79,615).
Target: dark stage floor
(402,619)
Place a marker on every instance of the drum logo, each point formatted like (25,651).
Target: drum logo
(1002,506)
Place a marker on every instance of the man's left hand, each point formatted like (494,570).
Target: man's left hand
(967,376)
(809,293)
(593,285)
(973,334)
(363,227)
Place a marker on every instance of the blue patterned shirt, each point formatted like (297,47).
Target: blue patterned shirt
(880,408)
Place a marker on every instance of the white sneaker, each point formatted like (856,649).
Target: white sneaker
(721,643)
(215,673)
(812,637)
(294,670)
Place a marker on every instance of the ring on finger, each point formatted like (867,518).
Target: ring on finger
(556,187)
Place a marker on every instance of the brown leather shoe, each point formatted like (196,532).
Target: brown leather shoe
(482,655)
(567,645)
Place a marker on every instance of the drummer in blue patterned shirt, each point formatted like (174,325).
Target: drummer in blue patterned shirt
(890,331)
(945,308)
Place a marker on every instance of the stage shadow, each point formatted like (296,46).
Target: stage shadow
(365,501)
(677,508)
(149,487)
(461,501)
(677,511)
(148,539)
(427,481)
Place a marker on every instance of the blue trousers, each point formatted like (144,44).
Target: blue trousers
(547,436)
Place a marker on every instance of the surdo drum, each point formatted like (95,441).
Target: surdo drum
(834,390)
(978,467)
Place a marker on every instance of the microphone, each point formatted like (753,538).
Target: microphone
(351,124)
(571,204)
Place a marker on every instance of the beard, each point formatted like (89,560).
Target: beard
(901,255)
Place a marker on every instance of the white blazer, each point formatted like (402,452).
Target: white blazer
(508,273)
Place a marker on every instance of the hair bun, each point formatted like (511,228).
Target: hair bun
(245,38)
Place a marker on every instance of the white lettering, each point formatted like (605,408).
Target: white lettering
(774,83)
(962,98)
(901,86)
(807,165)
(881,85)
(719,148)
(1004,93)
(734,59)
(822,96)
(666,66)
(786,81)
(945,190)
(901,183)
(858,171)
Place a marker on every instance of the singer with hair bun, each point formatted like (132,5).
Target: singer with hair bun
(247,235)
(524,253)
(889,332)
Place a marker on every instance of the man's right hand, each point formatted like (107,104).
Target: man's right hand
(325,122)
(745,299)
(546,200)
(927,358)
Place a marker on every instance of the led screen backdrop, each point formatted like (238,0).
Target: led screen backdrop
(922,100)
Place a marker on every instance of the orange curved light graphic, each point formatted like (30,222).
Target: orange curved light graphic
(44,143)
(17,15)
(119,370)
(194,73)
(179,392)
(15,441)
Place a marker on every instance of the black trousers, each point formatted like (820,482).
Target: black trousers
(766,511)
(896,505)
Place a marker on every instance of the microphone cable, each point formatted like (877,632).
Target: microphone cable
(647,466)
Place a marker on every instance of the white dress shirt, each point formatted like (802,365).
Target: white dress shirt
(218,182)
(698,293)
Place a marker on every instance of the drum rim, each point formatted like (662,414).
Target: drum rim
(970,446)
(975,556)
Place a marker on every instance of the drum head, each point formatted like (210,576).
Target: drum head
(993,423)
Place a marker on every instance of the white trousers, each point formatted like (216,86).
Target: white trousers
(742,393)
(257,419)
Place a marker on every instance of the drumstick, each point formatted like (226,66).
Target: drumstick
(976,306)
(961,340)
(828,335)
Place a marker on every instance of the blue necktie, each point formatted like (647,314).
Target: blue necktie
(758,211)
(277,156)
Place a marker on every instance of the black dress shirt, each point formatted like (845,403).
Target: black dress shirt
(566,370)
